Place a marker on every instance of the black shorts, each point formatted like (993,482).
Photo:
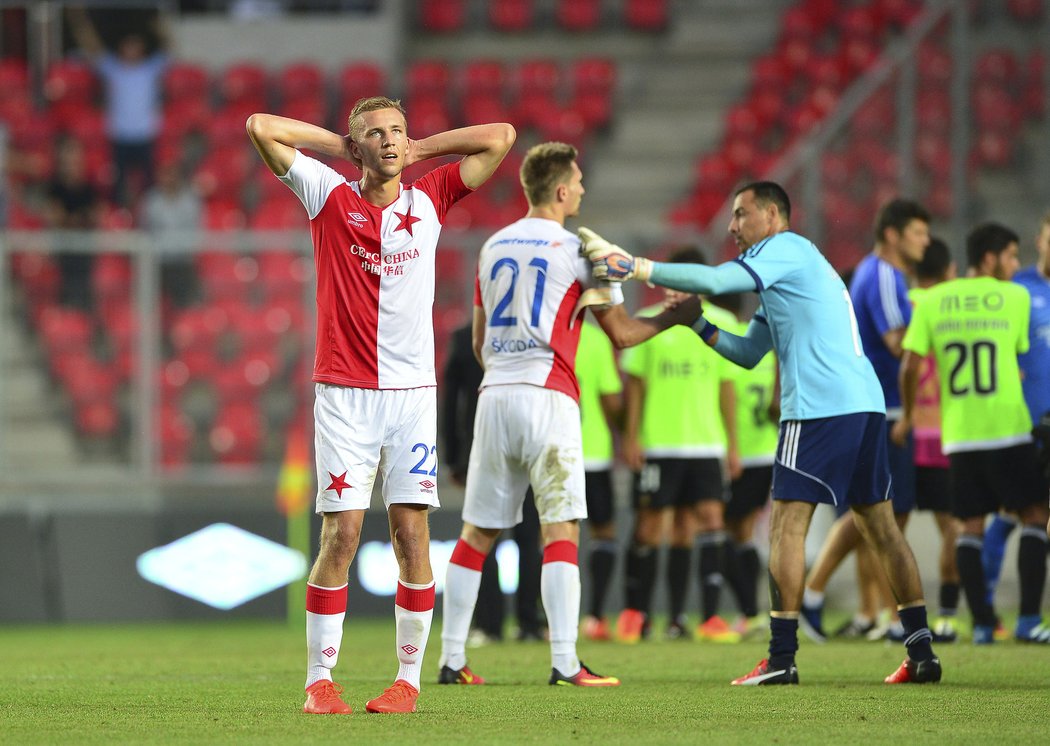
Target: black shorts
(678,483)
(750,492)
(933,489)
(985,481)
(600,508)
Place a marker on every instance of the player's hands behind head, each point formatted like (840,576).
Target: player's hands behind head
(609,260)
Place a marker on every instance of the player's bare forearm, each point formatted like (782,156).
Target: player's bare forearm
(909,387)
(477,334)
(484,145)
(277,138)
(626,331)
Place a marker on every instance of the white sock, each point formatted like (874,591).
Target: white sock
(812,599)
(325,611)
(413,613)
(462,581)
(560,591)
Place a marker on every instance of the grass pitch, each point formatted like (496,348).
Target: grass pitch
(242,683)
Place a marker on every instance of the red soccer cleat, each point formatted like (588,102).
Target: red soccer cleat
(462,676)
(322,698)
(584,677)
(596,629)
(399,697)
(916,672)
(764,675)
(630,626)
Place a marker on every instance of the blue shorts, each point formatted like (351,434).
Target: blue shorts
(834,460)
(902,474)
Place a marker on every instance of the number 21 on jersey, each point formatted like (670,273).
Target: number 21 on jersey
(500,317)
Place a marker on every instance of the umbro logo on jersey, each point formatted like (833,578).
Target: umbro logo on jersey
(427,485)
(357,219)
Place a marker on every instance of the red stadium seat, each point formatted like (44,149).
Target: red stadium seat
(442,16)
(511,16)
(176,436)
(68,80)
(111,276)
(66,328)
(538,74)
(14,78)
(283,273)
(593,74)
(486,107)
(355,81)
(97,419)
(646,15)
(578,15)
(997,67)
(935,65)
(301,80)
(799,23)
(1025,11)
(483,78)
(236,435)
(185,81)
(595,108)
(427,115)
(244,83)
(281,212)
(430,78)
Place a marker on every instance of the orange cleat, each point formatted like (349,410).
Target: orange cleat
(584,677)
(462,676)
(322,698)
(399,697)
(715,629)
(596,629)
(916,672)
(629,626)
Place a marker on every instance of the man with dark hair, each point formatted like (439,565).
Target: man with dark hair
(975,327)
(833,425)
(879,289)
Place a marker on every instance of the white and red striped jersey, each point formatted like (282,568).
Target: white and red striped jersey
(530,276)
(375,274)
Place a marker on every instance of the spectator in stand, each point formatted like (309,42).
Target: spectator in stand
(171,211)
(132,80)
(73,204)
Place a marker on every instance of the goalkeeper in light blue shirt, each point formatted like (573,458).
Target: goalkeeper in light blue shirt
(832,445)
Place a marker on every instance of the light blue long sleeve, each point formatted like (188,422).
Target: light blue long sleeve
(730,277)
(747,350)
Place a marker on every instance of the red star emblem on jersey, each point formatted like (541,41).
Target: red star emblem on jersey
(407,221)
(338,484)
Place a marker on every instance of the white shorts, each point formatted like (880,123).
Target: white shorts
(357,432)
(525,435)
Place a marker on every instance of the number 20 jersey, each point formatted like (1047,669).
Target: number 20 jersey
(976,327)
(530,276)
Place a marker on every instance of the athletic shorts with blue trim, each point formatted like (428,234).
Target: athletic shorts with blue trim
(837,460)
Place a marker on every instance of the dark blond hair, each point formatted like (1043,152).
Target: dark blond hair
(364,105)
(546,167)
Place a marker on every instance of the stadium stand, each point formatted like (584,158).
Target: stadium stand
(245,301)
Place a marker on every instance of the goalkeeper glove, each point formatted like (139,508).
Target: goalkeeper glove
(610,261)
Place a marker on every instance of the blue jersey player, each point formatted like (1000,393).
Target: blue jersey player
(832,446)
(879,290)
(1036,362)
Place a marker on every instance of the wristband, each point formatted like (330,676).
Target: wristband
(707,331)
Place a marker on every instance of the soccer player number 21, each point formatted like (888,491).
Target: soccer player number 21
(498,317)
